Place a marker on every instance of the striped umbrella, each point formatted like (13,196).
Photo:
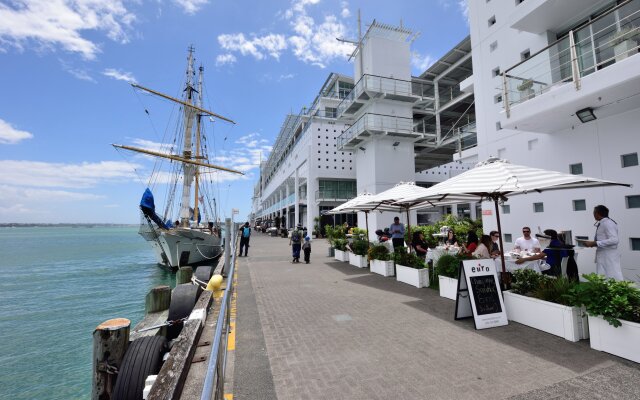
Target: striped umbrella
(496,180)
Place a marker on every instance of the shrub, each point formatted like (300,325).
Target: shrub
(400,256)
(460,226)
(555,290)
(357,233)
(611,299)
(340,244)
(379,252)
(448,265)
(360,247)
(526,281)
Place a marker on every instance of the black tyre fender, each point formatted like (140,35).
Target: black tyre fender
(203,273)
(143,358)
(183,298)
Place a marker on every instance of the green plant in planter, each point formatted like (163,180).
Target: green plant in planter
(379,252)
(410,260)
(526,281)
(460,227)
(612,300)
(624,34)
(555,290)
(357,232)
(448,265)
(360,247)
(525,85)
(340,244)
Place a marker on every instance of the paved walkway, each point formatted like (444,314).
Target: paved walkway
(328,330)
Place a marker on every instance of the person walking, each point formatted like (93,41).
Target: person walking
(606,243)
(306,247)
(397,233)
(245,233)
(295,243)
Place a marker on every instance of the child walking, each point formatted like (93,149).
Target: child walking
(306,247)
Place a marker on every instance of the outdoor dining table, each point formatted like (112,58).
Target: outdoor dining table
(511,266)
(436,253)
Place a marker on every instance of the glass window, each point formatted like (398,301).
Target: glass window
(633,201)
(331,112)
(506,209)
(579,205)
(635,244)
(344,88)
(538,207)
(508,238)
(629,160)
(576,169)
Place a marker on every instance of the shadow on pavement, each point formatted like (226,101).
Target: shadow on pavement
(346,268)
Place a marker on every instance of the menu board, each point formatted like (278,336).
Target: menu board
(478,286)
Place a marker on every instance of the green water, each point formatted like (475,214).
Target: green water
(56,285)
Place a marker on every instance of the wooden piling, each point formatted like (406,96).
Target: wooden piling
(183,275)
(158,299)
(110,342)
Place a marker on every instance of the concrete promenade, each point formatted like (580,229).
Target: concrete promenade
(328,330)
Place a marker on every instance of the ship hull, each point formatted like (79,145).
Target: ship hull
(186,247)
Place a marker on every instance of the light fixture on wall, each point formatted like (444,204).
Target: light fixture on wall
(362,148)
(585,115)
(396,144)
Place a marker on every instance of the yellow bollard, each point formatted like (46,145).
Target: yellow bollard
(214,285)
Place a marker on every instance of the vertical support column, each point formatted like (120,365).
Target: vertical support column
(110,342)
(227,244)
(286,214)
(436,94)
(296,206)
(312,207)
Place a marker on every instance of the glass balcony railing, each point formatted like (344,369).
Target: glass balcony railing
(608,39)
(377,123)
(335,195)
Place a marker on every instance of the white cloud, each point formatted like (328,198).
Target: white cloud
(420,62)
(47,24)
(191,6)
(84,175)
(311,41)
(11,135)
(77,73)
(224,59)
(119,75)
(463,5)
(284,77)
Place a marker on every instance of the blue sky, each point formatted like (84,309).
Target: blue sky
(65,68)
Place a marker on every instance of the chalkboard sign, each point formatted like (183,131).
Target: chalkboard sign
(479,294)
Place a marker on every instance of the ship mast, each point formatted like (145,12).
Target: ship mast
(189,170)
(196,207)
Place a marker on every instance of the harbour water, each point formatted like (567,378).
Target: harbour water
(56,285)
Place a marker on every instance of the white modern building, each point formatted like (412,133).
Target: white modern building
(369,133)
(557,86)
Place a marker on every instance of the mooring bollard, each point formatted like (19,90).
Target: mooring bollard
(110,342)
(158,299)
(183,275)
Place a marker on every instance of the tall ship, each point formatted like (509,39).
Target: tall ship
(194,237)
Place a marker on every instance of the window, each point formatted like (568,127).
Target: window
(344,88)
(575,169)
(538,207)
(633,201)
(495,72)
(506,209)
(492,21)
(518,2)
(525,54)
(508,238)
(493,46)
(498,126)
(497,98)
(502,152)
(629,160)
(532,143)
(635,244)
(579,205)
(331,112)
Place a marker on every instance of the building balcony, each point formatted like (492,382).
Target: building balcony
(334,195)
(376,125)
(540,16)
(374,87)
(596,66)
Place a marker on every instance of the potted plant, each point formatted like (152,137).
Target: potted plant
(380,258)
(544,303)
(623,42)
(331,236)
(358,255)
(447,268)
(526,89)
(316,227)
(341,253)
(614,315)
(410,269)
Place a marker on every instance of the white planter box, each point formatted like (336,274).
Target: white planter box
(416,277)
(384,268)
(341,255)
(358,261)
(564,321)
(448,287)
(623,341)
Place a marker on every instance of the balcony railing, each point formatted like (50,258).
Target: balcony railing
(390,87)
(370,124)
(335,195)
(606,40)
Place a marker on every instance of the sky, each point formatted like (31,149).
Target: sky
(65,94)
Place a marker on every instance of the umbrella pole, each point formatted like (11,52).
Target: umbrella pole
(408,230)
(366,222)
(506,278)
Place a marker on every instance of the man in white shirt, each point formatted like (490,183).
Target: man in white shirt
(526,242)
(606,243)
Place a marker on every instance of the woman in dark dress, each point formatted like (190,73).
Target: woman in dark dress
(419,245)
(451,238)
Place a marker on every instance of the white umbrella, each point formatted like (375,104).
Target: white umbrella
(353,205)
(496,180)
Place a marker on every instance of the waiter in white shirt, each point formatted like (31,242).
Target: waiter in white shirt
(526,242)
(606,243)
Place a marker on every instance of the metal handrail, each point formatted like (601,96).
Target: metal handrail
(218,359)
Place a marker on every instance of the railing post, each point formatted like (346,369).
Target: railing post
(575,71)
(505,95)
(227,244)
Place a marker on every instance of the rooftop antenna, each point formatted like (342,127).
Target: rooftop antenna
(357,43)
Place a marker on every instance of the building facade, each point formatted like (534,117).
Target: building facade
(557,86)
